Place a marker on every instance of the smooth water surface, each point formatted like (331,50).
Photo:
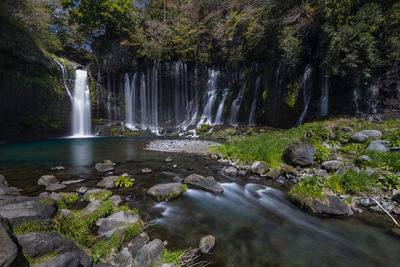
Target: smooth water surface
(254,224)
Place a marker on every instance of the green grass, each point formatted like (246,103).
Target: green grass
(352,182)
(103,248)
(132,230)
(389,161)
(105,209)
(172,257)
(307,190)
(393,137)
(32,226)
(73,227)
(40,259)
(69,200)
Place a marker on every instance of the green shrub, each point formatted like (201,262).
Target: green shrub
(323,153)
(352,182)
(72,227)
(124,181)
(393,137)
(61,205)
(352,148)
(105,209)
(391,181)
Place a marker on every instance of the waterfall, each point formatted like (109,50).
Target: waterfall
(220,111)
(130,93)
(252,118)
(306,93)
(211,96)
(81,124)
(324,94)
(63,71)
(236,104)
(373,92)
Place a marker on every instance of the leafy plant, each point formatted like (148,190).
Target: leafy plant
(308,189)
(172,257)
(323,153)
(390,180)
(124,181)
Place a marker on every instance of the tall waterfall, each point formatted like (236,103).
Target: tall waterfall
(220,111)
(207,117)
(324,94)
(63,71)
(252,118)
(306,93)
(81,124)
(236,104)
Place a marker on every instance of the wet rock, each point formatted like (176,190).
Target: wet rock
(116,199)
(47,180)
(108,182)
(117,221)
(168,159)
(359,138)
(92,207)
(165,192)
(332,165)
(378,145)
(366,202)
(207,183)
(273,173)
(58,168)
(3,181)
(68,182)
(206,243)
(299,154)
(137,243)
(76,258)
(259,167)
(97,194)
(20,209)
(8,191)
(177,179)
(8,247)
(106,166)
(149,254)
(230,171)
(243,172)
(320,173)
(146,170)
(123,259)
(82,190)
(282,180)
(55,187)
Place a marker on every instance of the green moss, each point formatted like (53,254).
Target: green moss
(61,204)
(100,195)
(184,187)
(69,199)
(352,182)
(382,160)
(32,226)
(105,209)
(293,89)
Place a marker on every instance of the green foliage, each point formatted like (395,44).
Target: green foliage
(32,226)
(61,204)
(41,259)
(352,148)
(105,209)
(293,89)
(307,190)
(69,199)
(100,195)
(323,153)
(393,137)
(104,248)
(172,257)
(73,227)
(382,160)
(390,180)
(124,181)
(352,182)
(132,230)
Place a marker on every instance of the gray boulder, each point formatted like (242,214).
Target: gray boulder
(20,209)
(3,181)
(82,190)
(92,207)
(76,258)
(8,247)
(47,180)
(8,191)
(299,154)
(68,182)
(206,243)
(55,187)
(371,133)
(123,259)
(165,192)
(332,165)
(116,199)
(364,158)
(108,182)
(379,145)
(116,223)
(230,171)
(149,254)
(359,138)
(137,243)
(259,167)
(97,194)
(207,183)
(106,166)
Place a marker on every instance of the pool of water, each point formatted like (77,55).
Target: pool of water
(253,221)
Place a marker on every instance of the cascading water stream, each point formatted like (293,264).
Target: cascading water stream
(81,117)
(206,118)
(252,118)
(220,111)
(63,71)
(236,104)
(324,94)
(306,93)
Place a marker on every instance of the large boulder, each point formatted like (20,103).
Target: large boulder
(378,145)
(206,243)
(150,253)
(47,180)
(332,165)
(108,182)
(8,247)
(77,258)
(19,209)
(299,154)
(259,167)
(207,183)
(3,181)
(163,192)
(363,136)
(105,166)
(8,191)
(116,223)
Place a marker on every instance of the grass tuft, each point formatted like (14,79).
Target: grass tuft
(32,226)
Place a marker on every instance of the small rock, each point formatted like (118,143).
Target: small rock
(92,207)
(107,161)
(206,243)
(55,187)
(299,154)
(168,265)
(230,171)
(82,190)
(259,167)
(378,145)
(47,180)
(359,138)
(320,173)
(332,165)
(281,180)
(169,159)
(174,166)
(65,212)
(366,202)
(273,173)
(364,158)
(149,254)
(68,182)
(146,170)
(177,179)
(243,172)
(123,259)
(116,199)
(108,182)
(58,168)
(207,183)
(371,133)
(167,191)
(107,165)
(371,171)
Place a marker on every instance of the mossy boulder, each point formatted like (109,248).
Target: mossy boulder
(167,191)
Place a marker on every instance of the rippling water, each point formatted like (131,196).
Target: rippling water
(254,224)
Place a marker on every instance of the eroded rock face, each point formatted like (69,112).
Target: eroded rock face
(206,243)
(124,258)
(8,247)
(259,167)
(299,154)
(162,192)
(47,180)
(149,254)
(207,183)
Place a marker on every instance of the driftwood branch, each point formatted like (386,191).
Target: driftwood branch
(379,205)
